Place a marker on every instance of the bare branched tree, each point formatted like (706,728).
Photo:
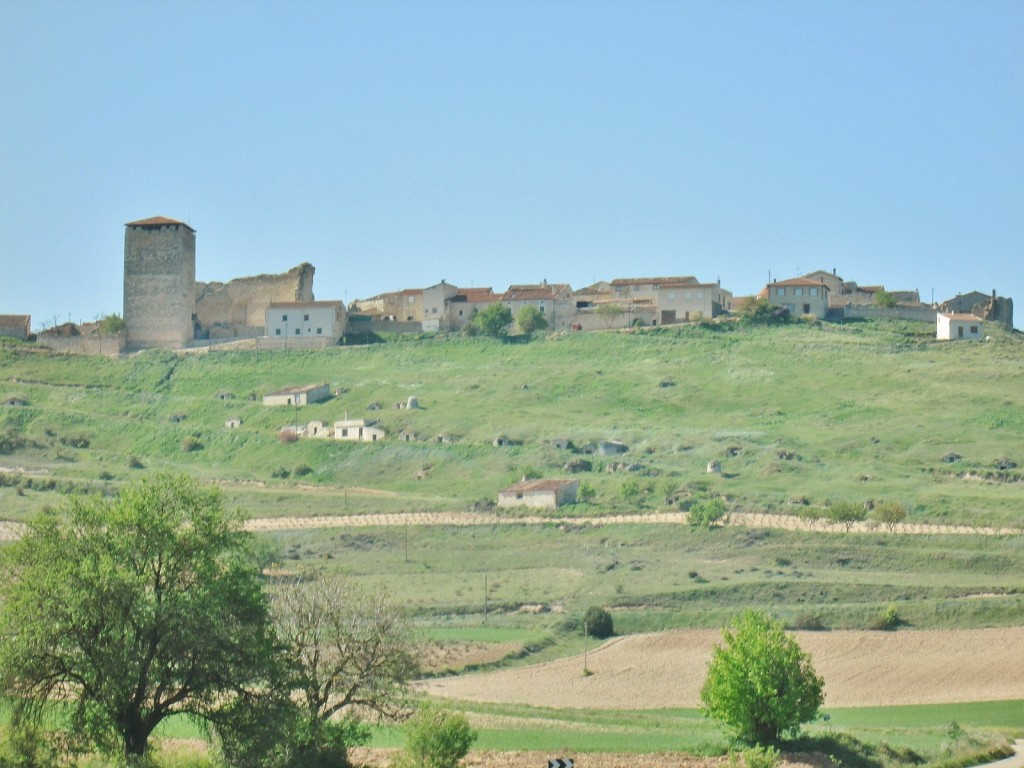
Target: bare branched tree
(352,651)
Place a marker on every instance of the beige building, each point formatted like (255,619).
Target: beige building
(358,430)
(311,393)
(800,296)
(555,301)
(15,326)
(464,305)
(306,319)
(542,494)
(957,325)
(434,306)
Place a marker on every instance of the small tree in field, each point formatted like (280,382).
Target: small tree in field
(531,319)
(609,313)
(890,514)
(846,514)
(436,738)
(597,622)
(708,513)
(351,652)
(760,684)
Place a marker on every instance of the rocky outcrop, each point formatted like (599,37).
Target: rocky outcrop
(238,308)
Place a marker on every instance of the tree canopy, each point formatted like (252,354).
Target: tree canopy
(531,319)
(493,320)
(760,683)
(132,610)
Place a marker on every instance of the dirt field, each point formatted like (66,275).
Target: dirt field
(666,669)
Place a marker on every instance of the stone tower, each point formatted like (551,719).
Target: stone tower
(159,283)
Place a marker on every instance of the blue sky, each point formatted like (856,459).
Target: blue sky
(396,144)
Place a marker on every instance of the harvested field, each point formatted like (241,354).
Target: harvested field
(380,758)
(667,669)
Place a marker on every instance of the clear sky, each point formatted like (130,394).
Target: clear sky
(489,142)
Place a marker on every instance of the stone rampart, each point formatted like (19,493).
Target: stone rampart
(235,308)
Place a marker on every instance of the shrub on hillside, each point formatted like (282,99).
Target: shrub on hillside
(761,312)
(597,622)
(436,738)
(191,443)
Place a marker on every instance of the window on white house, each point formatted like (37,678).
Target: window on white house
(284,318)
(813,291)
(319,331)
(780,291)
(700,294)
(305,318)
(974,329)
(798,291)
(298,331)
(671,296)
(277,331)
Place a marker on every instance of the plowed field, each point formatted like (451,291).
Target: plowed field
(667,669)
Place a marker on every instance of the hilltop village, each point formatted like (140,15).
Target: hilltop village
(165,307)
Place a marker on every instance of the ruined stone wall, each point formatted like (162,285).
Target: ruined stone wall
(237,308)
(159,279)
(923,314)
(94,344)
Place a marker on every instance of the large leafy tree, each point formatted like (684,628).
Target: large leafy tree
(760,683)
(133,610)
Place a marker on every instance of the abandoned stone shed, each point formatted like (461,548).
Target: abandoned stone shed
(311,393)
(543,494)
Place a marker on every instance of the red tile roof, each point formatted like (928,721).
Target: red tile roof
(527,486)
(689,279)
(800,281)
(156,221)
(534,292)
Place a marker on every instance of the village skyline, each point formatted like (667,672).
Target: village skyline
(397,144)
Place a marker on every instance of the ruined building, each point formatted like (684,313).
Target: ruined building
(165,307)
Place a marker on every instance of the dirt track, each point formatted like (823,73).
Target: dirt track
(666,669)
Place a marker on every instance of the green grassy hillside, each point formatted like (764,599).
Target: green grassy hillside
(796,414)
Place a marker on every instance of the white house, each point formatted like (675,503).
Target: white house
(539,493)
(306,319)
(957,325)
(358,431)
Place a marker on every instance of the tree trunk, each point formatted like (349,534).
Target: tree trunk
(135,733)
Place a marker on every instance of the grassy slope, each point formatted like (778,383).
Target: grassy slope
(868,410)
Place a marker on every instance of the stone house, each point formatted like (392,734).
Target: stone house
(15,326)
(555,301)
(306,319)
(358,430)
(691,301)
(311,393)
(545,494)
(987,307)
(800,296)
(464,305)
(434,306)
(957,325)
